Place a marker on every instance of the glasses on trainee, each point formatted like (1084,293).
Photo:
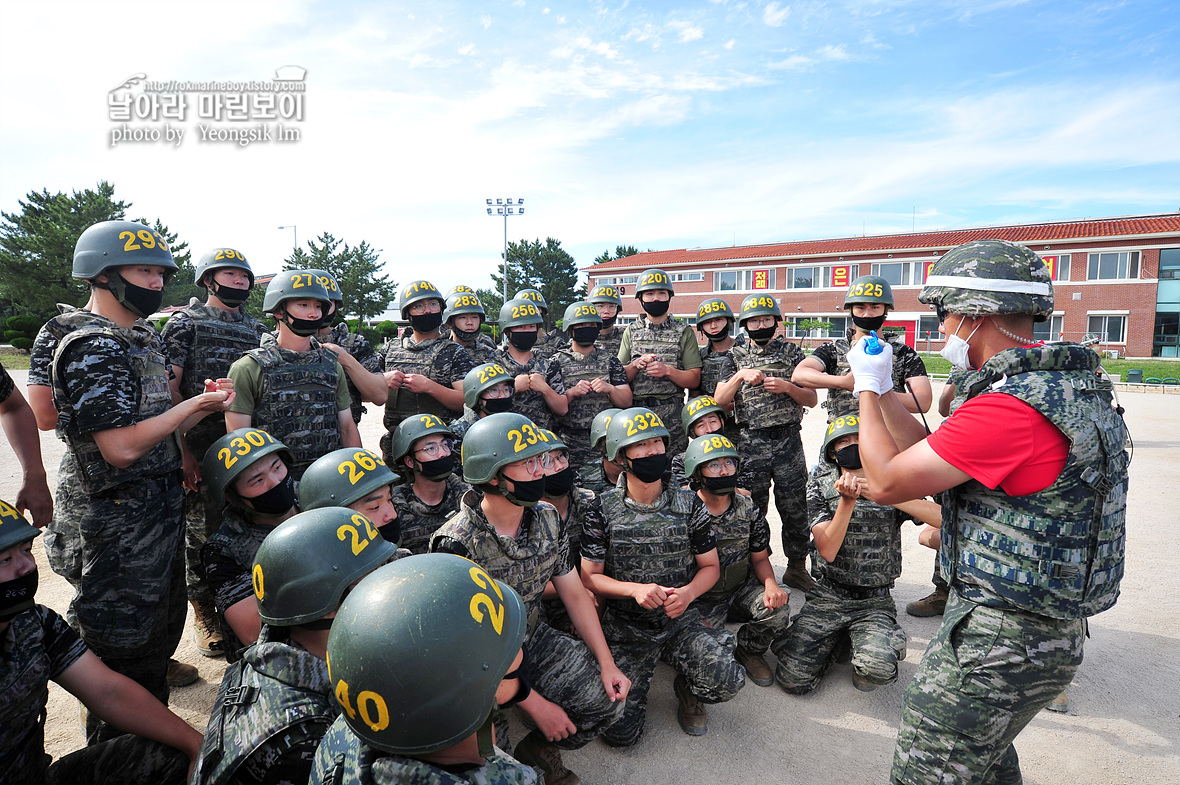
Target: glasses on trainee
(941,312)
(435,449)
(722,464)
(542,461)
(499,391)
(427,306)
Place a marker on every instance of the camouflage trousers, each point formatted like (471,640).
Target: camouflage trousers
(760,626)
(578,442)
(121,761)
(806,652)
(564,670)
(669,411)
(130,606)
(703,655)
(777,454)
(202,519)
(63,546)
(984,677)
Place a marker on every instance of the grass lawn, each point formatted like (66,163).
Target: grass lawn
(1156,367)
(14,359)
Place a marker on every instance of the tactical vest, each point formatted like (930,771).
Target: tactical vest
(732,530)
(238,540)
(433,359)
(592,477)
(529,403)
(220,337)
(575,368)
(755,406)
(610,342)
(526,566)
(149,378)
(1058,552)
(712,367)
(839,401)
(870,556)
(482,350)
(362,351)
(274,691)
(662,340)
(647,545)
(297,403)
(418,521)
(549,342)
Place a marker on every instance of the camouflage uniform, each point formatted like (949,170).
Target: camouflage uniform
(205,341)
(482,350)
(738,594)
(228,557)
(297,403)
(592,477)
(563,669)
(39,646)
(584,511)
(661,395)
(713,365)
(362,351)
(852,595)
(418,520)
(574,427)
(769,442)
(657,544)
(907,364)
(1025,571)
(531,403)
(343,759)
(609,340)
(130,604)
(271,712)
(549,342)
(63,547)
(443,361)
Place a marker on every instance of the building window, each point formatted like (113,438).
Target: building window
(687,276)
(1167,335)
(803,278)
(1109,329)
(1109,266)
(618,279)
(1169,263)
(1050,329)
(928,329)
(743,280)
(1058,266)
(727,281)
(901,273)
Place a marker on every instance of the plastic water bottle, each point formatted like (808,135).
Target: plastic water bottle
(873,344)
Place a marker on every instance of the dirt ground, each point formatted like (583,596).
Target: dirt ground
(1123,725)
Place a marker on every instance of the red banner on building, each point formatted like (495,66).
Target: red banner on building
(840,276)
(761,279)
(928,266)
(1051,263)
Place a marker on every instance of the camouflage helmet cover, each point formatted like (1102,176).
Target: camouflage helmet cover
(235,452)
(497,440)
(219,259)
(990,277)
(632,426)
(581,312)
(482,378)
(343,477)
(117,243)
(293,285)
(703,449)
(419,648)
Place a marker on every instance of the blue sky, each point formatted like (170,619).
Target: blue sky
(652,124)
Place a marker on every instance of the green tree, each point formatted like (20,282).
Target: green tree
(620,252)
(545,267)
(181,286)
(21,331)
(356,269)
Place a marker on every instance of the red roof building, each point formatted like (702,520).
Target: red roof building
(1117,278)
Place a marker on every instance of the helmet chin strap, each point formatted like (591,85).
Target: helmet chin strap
(483,737)
(1013,336)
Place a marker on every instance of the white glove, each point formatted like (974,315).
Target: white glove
(871,372)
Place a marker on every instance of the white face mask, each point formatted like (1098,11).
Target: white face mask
(956,349)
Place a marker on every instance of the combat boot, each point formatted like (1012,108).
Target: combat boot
(756,666)
(534,751)
(693,718)
(181,674)
(932,604)
(1060,703)
(207,629)
(797,577)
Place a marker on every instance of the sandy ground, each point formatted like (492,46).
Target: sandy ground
(1123,725)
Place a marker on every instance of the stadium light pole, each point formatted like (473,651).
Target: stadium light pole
(295,232)
(505,208)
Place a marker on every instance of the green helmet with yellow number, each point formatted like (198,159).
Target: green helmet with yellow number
(343,477)
(418,650)
(462,303)
(294,285)
(235,452)
(305,565)
(14,528)
(219,259)
(654,279)
(460,288)
(535,296)
(599,426)
(632,426)
(518,313)
(581,312)
(417,291)
(869,289)
(410,430)
(117,243)
(703,449)
(606,294)
(482,378)
(841,426)
(328,281)
(714,308)
(759,305)
(497,440)
(696,409)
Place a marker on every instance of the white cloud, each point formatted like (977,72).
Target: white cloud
(687,31)
(774,16)
(485,21)
(729,44)
(467,49)
(837,52)
(637,34)
(792,63)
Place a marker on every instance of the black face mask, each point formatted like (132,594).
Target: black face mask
(524,493)
(763,336)
(391,532)
(301,327)
(559,484)
(526,682)
(609,323)
(585,336)
(717,337)
(231,297)
(720,485)
(329,319)
(496,405)
(656,308)
(140,301)
(277,500)
(437,469)
(869,323)
(426,323)
(848,457)
(650,468)
(522,342)
(464,336)
(16,595)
